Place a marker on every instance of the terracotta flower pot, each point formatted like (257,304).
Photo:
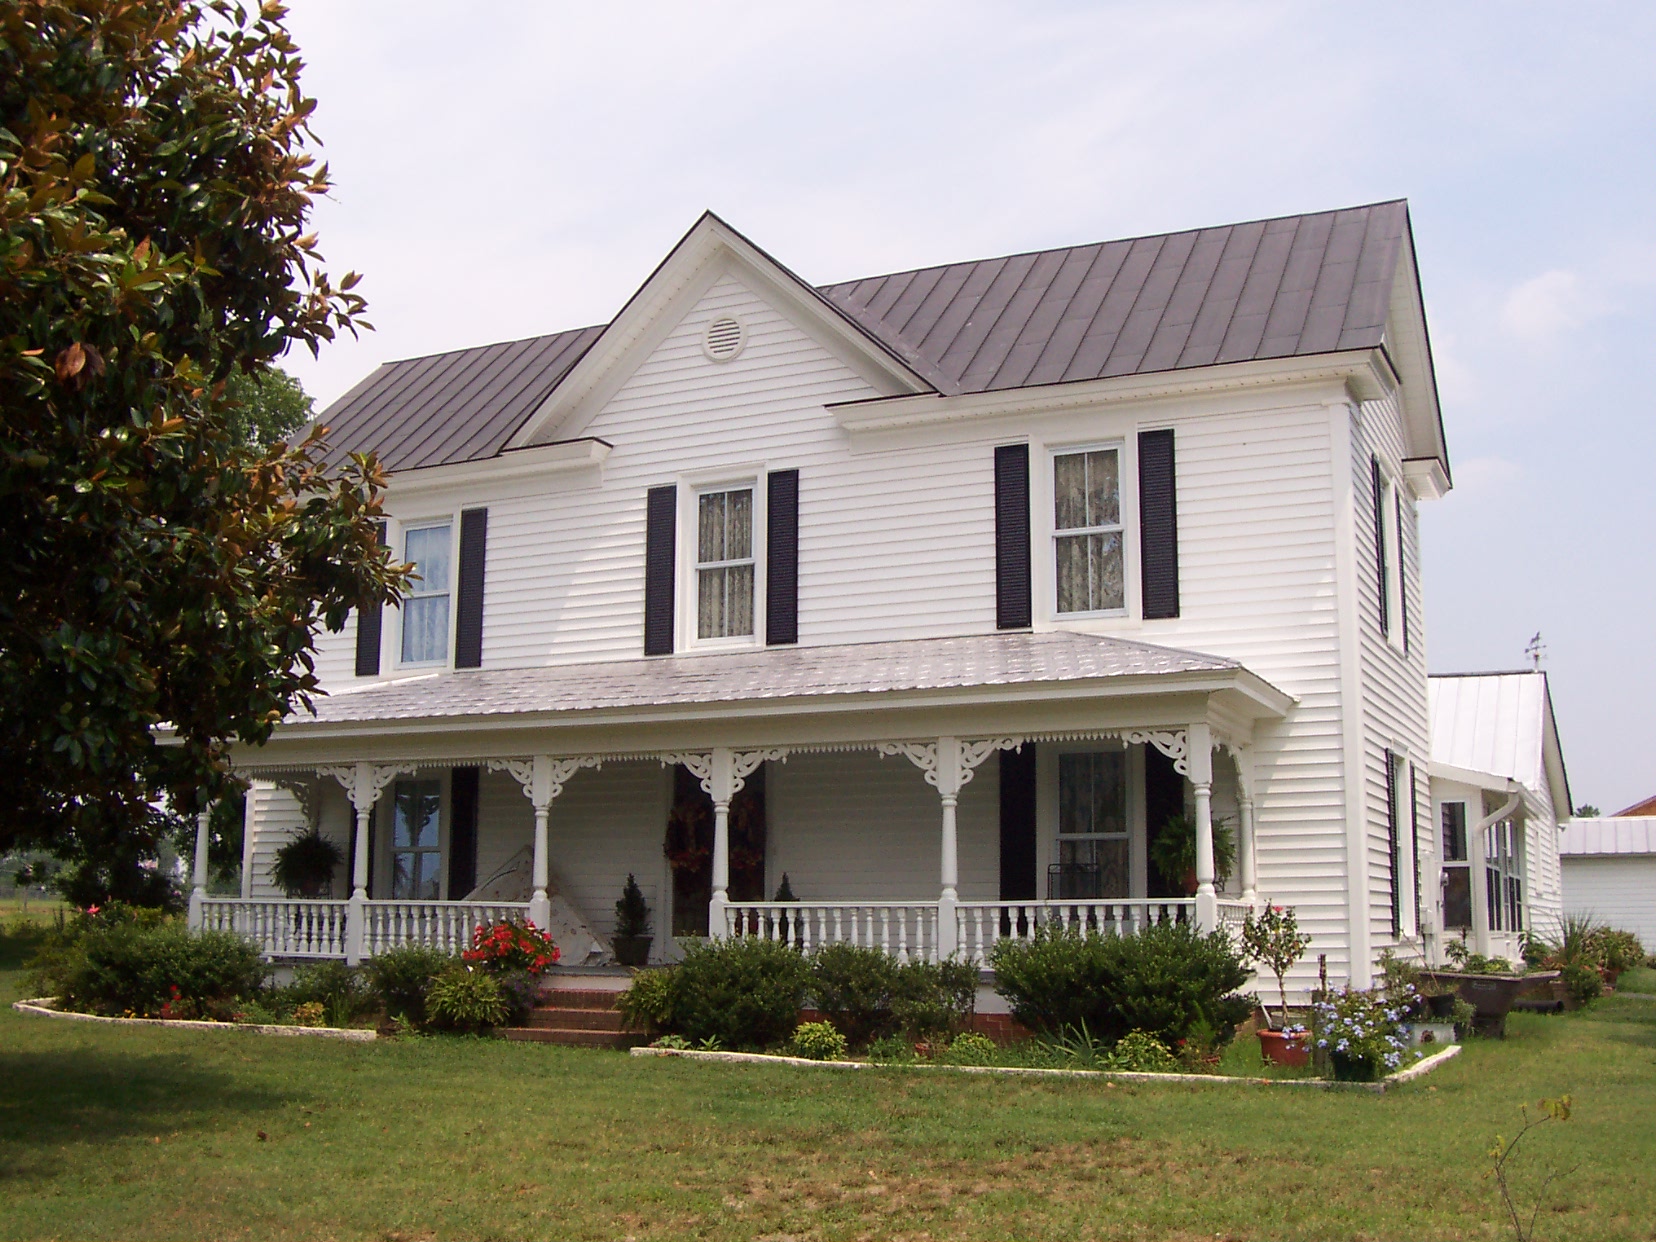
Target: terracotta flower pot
(1281,1048)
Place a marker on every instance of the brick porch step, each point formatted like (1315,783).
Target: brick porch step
(576,1018)
(575,1039)
(576,998)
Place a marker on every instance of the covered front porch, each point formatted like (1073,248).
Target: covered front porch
(930,820)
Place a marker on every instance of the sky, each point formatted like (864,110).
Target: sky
(503,170)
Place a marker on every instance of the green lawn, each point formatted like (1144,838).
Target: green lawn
(1639,979)
(145,1133)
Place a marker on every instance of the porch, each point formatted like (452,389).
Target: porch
(926,845)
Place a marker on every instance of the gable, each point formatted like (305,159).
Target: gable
(1501,724)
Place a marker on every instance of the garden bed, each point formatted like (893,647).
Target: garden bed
(45,1007)
(1417,1070)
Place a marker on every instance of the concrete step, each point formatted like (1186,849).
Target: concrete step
(576,998)
(575,1039)
(575,1020)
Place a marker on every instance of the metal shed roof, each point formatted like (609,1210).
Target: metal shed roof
(1502,724)
(1291,286)
(1609,835)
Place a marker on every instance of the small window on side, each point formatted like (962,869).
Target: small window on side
(1087,531)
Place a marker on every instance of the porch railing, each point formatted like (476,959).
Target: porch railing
(1232,914)
(905,929)
(281,926)
(984,923)
(299,927)
(444,925)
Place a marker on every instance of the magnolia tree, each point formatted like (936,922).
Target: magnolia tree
(1273,939)
(166,572)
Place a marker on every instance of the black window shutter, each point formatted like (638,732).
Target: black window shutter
(1019,877)
(1414,837)
(660,517)
(782,557)
(1158,524)
(1380,544)
(1392,842)
(1012,593)
(462,868)
(468,618)
(1402,579)
(369,623)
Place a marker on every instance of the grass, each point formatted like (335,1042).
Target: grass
(145,1133)
(1639,979)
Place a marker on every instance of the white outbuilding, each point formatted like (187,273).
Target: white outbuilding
(1610,872)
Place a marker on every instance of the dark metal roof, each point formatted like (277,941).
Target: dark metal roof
(1291,286)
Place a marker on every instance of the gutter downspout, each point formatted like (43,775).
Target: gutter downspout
(1478,859)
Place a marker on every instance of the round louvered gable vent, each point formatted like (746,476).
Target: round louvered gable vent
(725,338)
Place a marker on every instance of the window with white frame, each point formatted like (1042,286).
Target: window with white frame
(416,846)
(1457,871)
(1503,876)
(724,563)
(425,609)
(1094,851)
(1087,531)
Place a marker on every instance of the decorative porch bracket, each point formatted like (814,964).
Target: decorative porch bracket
(1174,743)
(722,773)
(362,783)
(543,779)
(949,763)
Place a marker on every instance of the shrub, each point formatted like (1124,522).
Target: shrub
(647,1004)
(1142,1052)
(1363,1029)
(745,992)
(338,988)
(510,946)
(1166,979)
(852,986)
(818,1041)
(971,1048)
(142,964)
(632,913)
(1584,983)
(1618,951)
(401,978)
(311,1013)
(467,1000)
(893,1049)
(934,1000)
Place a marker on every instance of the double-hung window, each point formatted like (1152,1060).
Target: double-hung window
(724,563)
(1087,531)
(416,848)
(1457,871)
(425,634)
(1094,854)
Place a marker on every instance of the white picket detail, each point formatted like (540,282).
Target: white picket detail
(444,925)
(984,923)
(905,929)
(281,926)
(1232,914)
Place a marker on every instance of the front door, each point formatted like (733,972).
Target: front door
(689,848)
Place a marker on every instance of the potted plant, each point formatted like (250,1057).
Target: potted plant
(1362,1033)
(1274,939)
(1174,851)
(632,926)
(304,866)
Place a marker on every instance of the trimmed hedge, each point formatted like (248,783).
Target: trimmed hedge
(744,993)
(1166,980)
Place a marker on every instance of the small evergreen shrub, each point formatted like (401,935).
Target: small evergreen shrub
(468,1001)
(338,988)
(818,1041)
(744,992)
(647,1004)
(852,986)
(1142,1052)
(934,1000)
(401,978)
(1166,980)
(632,912)
(971,1048)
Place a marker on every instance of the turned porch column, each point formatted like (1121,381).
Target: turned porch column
(1199,749)
(1247,862)
(542,778)
(198,890)
(362,783)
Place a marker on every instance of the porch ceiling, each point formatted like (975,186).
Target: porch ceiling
(985,668)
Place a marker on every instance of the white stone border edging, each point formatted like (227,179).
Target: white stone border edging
(1417,1070)
(42,1007)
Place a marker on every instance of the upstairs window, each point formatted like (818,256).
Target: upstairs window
(425,632)
(416,853)
(724,564)
(1087,531)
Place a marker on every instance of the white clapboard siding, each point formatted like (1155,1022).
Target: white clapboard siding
(1393,683)
(853,826)
(606,823)
(273,817)
(1617,889)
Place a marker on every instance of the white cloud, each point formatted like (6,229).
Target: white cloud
(1547,306)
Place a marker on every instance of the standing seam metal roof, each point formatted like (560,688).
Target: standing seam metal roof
(1292,286)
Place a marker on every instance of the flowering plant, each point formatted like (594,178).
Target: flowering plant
(1274,939)
(1364,1029)
(510,946)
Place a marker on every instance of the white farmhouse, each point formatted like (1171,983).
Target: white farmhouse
(949,595)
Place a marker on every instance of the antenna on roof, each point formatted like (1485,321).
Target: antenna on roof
(1536,651)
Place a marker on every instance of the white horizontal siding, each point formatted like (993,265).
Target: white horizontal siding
(1618,890)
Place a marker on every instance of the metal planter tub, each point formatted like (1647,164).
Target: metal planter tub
(1491,996)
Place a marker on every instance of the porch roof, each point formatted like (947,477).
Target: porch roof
(1057,659)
